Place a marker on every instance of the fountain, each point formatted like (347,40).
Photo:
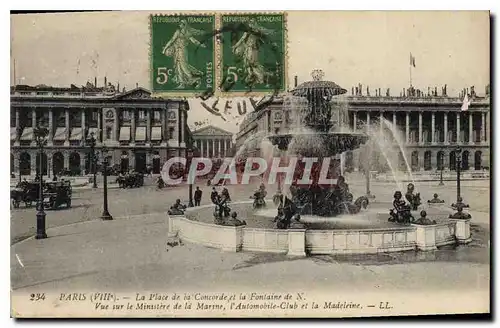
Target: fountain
(318,131)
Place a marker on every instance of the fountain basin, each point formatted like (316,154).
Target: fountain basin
(331,143)
(196,227)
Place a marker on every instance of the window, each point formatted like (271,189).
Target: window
(171,115)
(171,133)
(277,130)
(125,115)
(142,115)
(278,116)
(95,114)
(156,115)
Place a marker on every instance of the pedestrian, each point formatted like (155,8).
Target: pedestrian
(197,196)
(214,196)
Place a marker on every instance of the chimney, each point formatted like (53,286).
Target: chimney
(95,81)
(136,85)
(296,81)
(404,93)
(105,81)
(118,87)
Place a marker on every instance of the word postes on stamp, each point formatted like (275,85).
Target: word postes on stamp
(253,53)
(182,56)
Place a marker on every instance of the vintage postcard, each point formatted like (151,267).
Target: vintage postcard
(320,164)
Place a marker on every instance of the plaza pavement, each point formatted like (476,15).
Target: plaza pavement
(130,252)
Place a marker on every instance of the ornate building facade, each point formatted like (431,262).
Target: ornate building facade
(211,141)
(429,128)
(137,129)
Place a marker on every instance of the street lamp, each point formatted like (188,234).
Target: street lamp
(40,134)
(442,166)
(458,162)
(188,166)
(91,141)
(105,213)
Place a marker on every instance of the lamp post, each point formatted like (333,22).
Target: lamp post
(188,166)
(458,162)
(105,213)
(40,134)
(91,141)
(442,166)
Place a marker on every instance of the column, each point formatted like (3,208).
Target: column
(220,148)
(483,127)
(164,123)
(148,125)
(99,125)
(394,121)
(33,118)
(33,162)
(132,125)
(83,125)
(16,167)
(202,150)
(82,163)
(51,125)
(458,127)
(368,121)
(223,141)
(18,126)
(420,136)
(181,122)
(66,159)
(116,126)
(471,131)
(446,127)
(433,128)
(67,125)
(407,127)
(487,135)
(354,121)
(228,146)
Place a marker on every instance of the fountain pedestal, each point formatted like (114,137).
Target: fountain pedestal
(297,242)
(426,237)
(462,230)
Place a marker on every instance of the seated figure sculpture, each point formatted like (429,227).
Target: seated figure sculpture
(413,198)
(222,209)
(460,214)
(177,208)
(423,220)
(345,198)
(435,200)
(259,197)
(401,213)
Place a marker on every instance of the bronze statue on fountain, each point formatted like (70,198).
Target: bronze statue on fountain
(177,208)
(401,213)
(459,207)
(259,197)
(324,122)
(413,198)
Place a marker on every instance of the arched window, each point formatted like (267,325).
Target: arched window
(414,160)
(465,160)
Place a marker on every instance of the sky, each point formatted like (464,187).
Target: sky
(351,47)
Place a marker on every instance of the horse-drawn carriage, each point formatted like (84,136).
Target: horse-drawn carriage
(26,192)
(55,194)
(130,180)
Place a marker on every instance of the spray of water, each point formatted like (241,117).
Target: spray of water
(399,140)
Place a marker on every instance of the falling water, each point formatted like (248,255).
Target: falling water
(383,143)
(396,135)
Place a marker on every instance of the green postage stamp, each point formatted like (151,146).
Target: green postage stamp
(182,53)
(253,53)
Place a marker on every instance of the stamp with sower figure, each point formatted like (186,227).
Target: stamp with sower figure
(181,55)
(253,53)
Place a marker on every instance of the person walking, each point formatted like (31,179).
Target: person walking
(197,196)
